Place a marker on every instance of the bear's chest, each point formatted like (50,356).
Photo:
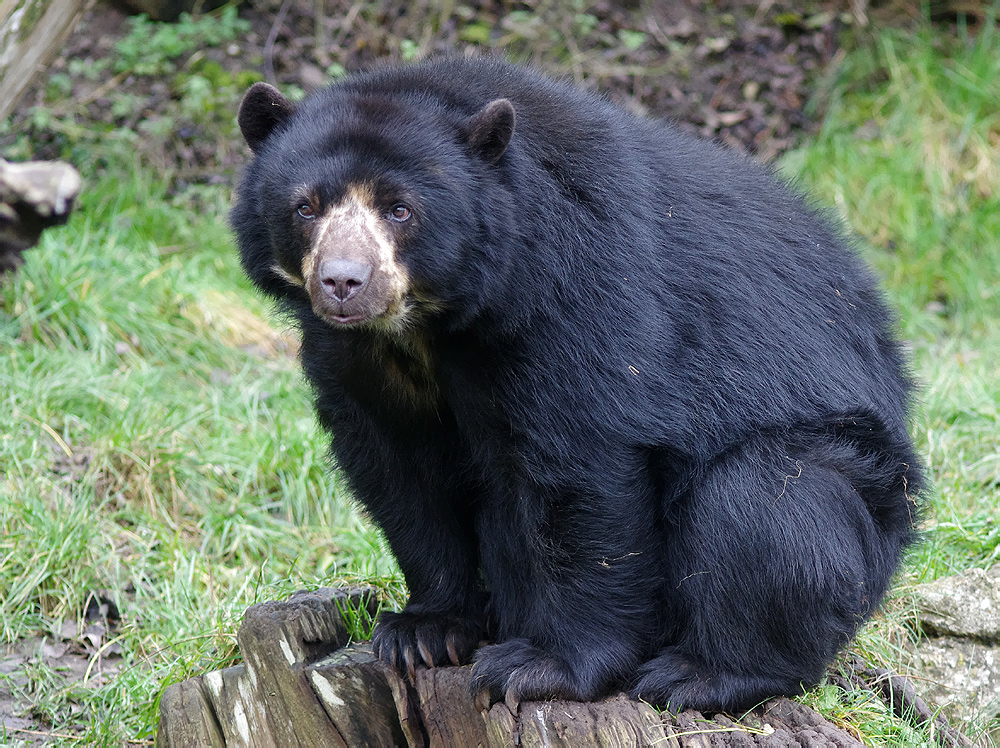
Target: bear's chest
(393,376)
(431,384)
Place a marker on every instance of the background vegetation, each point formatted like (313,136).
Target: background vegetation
(157,445)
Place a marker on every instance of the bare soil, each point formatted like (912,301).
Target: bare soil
(77,656)
(740,71)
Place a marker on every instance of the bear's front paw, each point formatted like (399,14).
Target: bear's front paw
(517,671)
(436,638)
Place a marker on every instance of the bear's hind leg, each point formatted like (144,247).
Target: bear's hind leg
(676,680)
(776,557)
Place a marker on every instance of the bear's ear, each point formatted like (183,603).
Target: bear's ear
(489,129)
(262,110)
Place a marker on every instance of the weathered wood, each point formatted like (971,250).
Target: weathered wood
(406,710)
(269,701)
(31,33)
(194,721)
(611,723)
(33,196)
(277,640)
(445,708)
(354,690)
(301,686)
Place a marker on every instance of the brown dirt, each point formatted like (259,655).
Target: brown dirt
(740,71)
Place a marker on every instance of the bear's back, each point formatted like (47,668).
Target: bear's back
(672,256)
(744,284)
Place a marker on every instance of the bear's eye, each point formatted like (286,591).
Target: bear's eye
(399,212)
(305,210)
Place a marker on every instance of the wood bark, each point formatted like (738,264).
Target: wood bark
(31,34)
(303,684)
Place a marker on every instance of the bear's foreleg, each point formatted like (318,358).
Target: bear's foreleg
(443,620)
(573,580)
(410,490)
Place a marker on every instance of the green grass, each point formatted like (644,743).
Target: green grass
(157,443)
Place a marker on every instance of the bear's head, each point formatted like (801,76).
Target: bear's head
(374,209)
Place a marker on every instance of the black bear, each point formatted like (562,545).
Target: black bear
(622,404)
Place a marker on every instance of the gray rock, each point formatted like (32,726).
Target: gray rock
(965,605)
(958,664)
(960,676)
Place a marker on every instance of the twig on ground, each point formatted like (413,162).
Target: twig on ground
(900,694)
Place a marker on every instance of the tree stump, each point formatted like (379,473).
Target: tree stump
(304,684)
(33,196)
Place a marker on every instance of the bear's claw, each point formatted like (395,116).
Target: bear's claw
(405,640)
(517,671)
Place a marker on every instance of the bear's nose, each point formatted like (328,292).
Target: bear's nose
(343,279)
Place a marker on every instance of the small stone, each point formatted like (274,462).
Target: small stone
(965,605)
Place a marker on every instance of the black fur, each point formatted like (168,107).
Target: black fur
(648,424)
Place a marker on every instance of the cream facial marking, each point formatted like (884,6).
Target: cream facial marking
(355,230)
(308,266)
(354,217)
(285,275)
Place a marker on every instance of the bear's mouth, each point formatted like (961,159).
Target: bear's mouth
(393,318)
(341,314)
(346,319)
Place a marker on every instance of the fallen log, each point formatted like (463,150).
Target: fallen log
(304,683)
(33,196)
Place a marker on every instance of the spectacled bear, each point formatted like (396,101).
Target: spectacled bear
(624,406)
